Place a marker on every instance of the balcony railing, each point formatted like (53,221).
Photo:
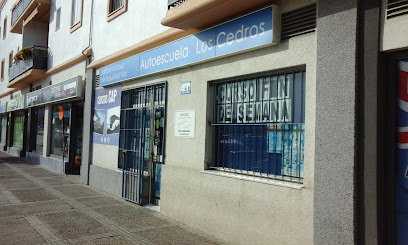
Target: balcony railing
(36,60)
(25,11)
(174,3)
(18,10)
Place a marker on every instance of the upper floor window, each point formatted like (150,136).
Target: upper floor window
(76,16)
(116,8)
(4,27)
(58,19)
(10,58)
(2,70)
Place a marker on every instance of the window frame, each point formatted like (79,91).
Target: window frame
(2,70)
(117,12)
(75,26)
(225,140)
(58,19)
(11,58)
(5,28)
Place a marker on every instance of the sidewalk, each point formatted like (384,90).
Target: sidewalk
(38,206)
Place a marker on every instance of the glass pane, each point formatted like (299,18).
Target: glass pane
(60,130)
(37,123)
(259,125)
(18,132)
(3,129)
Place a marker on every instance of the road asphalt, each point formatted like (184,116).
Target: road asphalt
(38,206)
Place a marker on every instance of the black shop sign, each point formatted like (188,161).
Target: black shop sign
(72,88)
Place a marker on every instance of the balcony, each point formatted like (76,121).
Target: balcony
(26,10)
(27,71)
(201,14)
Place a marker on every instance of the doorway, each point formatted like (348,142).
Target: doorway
(142,142)
(401,181)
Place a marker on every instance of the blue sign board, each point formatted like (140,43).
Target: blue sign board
(244,33)
(106,116)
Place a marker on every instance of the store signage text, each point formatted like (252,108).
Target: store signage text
(247,32)
(71,88)
(106,116)
(15,104)
(255,101)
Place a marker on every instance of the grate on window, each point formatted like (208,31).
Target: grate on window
(258,126)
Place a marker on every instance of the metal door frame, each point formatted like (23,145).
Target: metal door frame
(133,188)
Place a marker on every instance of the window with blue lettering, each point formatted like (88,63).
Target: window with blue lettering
(258,126)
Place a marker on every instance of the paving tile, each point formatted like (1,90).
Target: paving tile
(174,235)
(58,181)
(74,224)
(36,170)
(7,172)
(77,191)
(114,240)
(33,208)
(16,176)
(3,200)
(45,174)
(131,217)
(99,201)
(16,184)
(33,195)
(18,231)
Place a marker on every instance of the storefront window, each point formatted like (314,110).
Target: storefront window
(60,130)
(259,126)
(18,129)
(3,129)
(37,125)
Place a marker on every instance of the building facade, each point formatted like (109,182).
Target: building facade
(260,121)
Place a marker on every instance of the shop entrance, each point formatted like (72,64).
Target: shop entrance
(142,135)
(75,142)
(401,182)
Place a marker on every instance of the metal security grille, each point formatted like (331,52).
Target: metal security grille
(97,81)
(397,8)
(135,144)
(298,22)
(259,126)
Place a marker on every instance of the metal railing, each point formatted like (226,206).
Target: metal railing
(174,3)
(18,10)
(36,60)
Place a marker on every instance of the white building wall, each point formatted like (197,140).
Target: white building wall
(64,44)
(139,22)
(12,42)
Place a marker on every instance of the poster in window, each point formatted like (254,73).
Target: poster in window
(99,121)
(112,120)
(106,116)
(18,131)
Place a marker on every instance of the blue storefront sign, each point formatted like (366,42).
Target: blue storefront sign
(106,116)
(248,32)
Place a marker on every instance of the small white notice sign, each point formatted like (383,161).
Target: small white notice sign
(184,124)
